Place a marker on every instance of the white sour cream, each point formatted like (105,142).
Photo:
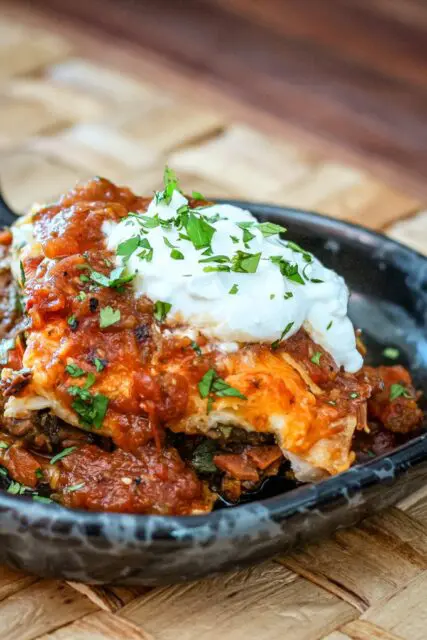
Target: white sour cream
(266,301)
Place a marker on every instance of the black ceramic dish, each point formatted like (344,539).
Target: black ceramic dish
(389,302)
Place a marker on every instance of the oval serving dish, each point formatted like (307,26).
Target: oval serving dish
(389,302)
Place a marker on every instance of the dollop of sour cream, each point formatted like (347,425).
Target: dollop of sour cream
(246,285)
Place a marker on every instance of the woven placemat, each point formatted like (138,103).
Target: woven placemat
(64,117)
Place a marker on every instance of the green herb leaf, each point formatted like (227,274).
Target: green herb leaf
(354,395)
(315,358)
(74,370)
(22,270)
(398,390)
(295,247)
(39,473)
(74,487)
(288,295)
(197,196)
(272,296)
(234,240)
(221,259)
(81,296)
(205,383)
(286,330)
(196,348)
(329,325)
(234,289)
(270,229)
(391,353)
(62,454)
(161,310)
(73,322)
(220,267)
(127,247)
(84,278)
(202,459)
(108,316)
(89,381)
(199,231)
(176,254)
(290,271)
(212,383)
(4,445)
(16,488)
(245,262)
(99,364)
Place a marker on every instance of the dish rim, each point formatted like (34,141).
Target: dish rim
(279,506)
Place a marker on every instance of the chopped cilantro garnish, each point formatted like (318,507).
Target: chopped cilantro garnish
(220,259)
(74,487)
(247,235)
(245,262)
(354,395)
(168,243)
(81,296)
(4,445)
(22,270)
(212,384)
(74,370)
(315,358)
(272,296)
(176,254)
(62,454)
(288,295)
(90,380)
(398,390)
(147,250)
(234,239)
(84,278)
(170,182)
(90,408)
(295,247)
(126,248)
(220,267)
(161,310)
(199,231)
(16,488)
(329,325)
(196,348)
(290,271)
(197,196)
(99,364)
(39,473)
(73,322)
(270,229)
(391,353)
(234,289)
(286,330)
(108,316)
(115,280)
(316,281)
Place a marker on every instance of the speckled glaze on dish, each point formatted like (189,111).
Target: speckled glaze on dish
(389,301)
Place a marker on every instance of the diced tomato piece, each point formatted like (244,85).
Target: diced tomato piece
(237,466)
(263,457)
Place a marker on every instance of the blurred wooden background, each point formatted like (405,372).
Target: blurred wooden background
(350,73)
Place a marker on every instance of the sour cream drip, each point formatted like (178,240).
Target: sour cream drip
(231,306)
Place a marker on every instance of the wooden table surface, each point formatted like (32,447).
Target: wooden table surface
(71,107)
